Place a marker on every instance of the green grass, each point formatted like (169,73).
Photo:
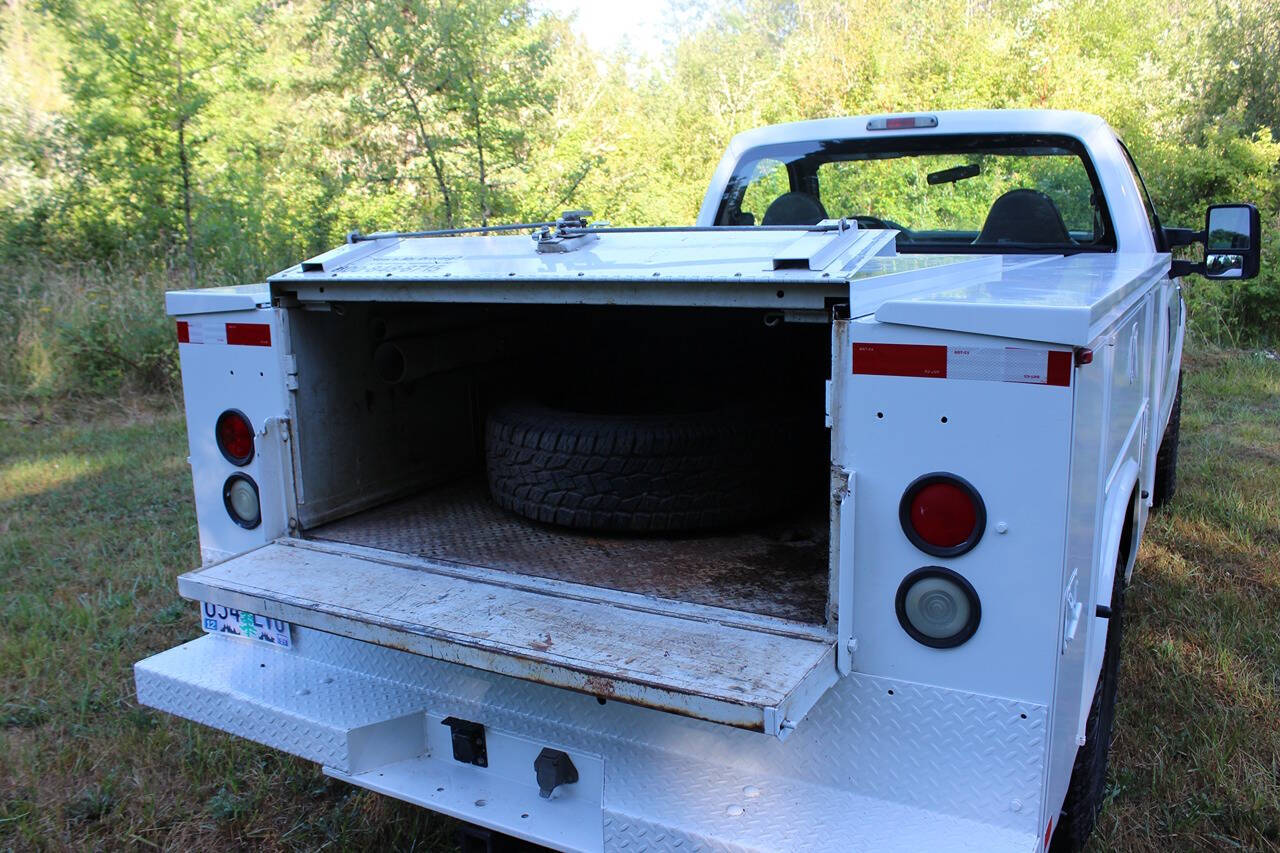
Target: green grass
(96,520)
(1196,754)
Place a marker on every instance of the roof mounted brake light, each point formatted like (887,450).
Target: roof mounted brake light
(902,123)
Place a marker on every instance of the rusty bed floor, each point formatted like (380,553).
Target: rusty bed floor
(775,569)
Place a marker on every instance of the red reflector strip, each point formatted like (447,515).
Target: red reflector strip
(991,364)
(201,331)
(1060,364)
(900,360)
(249,334)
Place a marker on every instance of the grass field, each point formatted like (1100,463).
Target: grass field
(96,520)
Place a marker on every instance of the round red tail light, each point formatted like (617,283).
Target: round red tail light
(234,435)
(942,515)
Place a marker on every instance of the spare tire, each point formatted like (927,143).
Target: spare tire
(649,473)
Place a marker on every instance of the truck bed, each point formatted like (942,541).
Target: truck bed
(778,569)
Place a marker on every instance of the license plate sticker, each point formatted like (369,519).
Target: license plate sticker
(218,619)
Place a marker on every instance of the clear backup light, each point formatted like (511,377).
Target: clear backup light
(234,435)
(938,607)
(240,496)
(942,514)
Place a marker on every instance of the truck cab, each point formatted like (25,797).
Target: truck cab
(805,525)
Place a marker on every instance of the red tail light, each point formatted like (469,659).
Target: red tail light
(942,515)
(234,435)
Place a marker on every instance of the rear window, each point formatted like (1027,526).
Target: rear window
(942,193)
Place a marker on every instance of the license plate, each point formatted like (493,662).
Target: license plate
(218,619)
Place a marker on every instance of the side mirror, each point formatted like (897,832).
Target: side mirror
(1232,244)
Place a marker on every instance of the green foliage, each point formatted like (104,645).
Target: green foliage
(454,98)
(142,78)
(218,141)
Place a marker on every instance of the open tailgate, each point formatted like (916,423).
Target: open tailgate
(682,660)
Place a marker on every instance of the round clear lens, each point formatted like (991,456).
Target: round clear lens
(240,495)
(243,500)
(937,607)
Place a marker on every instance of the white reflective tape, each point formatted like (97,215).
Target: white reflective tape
(206,332)
(998,364)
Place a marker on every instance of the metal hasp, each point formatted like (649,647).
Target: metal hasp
(568,234)
(553,769)
(468,741)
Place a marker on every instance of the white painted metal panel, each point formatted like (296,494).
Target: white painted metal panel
(728,256)
(1068,301)
(217,376)
(1083,522)
(1065,300)
(706,669)
(879,765)
(206,300)
(1011,441)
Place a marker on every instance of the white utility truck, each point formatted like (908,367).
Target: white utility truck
(805,527)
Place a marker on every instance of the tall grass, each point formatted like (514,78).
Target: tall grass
(86,327)
(99,328)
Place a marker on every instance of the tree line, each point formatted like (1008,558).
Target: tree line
(221,140)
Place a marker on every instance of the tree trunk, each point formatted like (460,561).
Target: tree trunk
(478,126)
(184,162)
(186,197)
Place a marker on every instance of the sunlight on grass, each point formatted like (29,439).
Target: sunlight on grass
(36,476)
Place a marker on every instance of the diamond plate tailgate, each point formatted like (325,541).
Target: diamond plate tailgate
(669,659)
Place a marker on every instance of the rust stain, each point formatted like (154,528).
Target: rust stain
(543,644)
(600,686)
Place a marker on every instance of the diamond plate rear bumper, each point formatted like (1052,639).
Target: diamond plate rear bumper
(877,766)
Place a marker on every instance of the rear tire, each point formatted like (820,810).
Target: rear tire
(1087,790)
(648,473)
(1166,479)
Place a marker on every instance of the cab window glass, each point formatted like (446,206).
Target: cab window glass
(955,193)
(768,180)
(958,193)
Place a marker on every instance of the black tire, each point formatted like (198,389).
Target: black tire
(673,472)
(1087,789)
(1166,480)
